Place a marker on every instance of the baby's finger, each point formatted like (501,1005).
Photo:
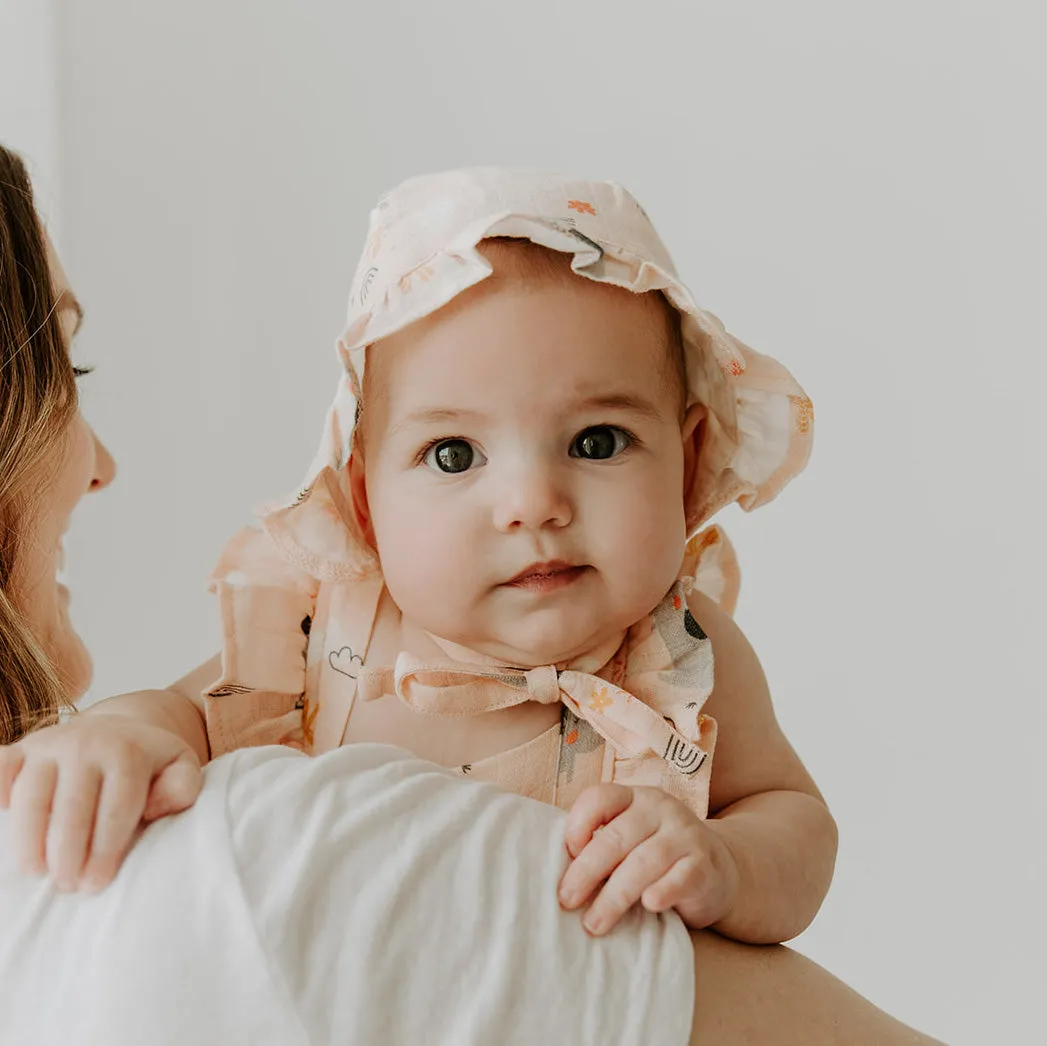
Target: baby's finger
(592,810)
(31,798)
(645,865)
(11,759)
(174,789)
(120,806)
(676,883)
(72,818)
(604,853)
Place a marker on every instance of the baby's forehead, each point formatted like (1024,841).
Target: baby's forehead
(527,300)
(523,265)
(533,330)
(538,268)
(500,364)
(525,259)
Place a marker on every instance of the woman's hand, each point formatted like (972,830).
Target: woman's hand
(78,791)
(645,846)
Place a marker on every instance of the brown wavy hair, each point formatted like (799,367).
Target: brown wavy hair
(38,402)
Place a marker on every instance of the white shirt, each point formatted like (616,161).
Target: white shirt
(363,897)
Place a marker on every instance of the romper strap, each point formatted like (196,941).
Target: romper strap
(341,637)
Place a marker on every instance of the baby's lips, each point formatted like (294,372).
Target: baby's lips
(546,568)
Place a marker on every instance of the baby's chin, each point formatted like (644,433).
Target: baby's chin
(539,643)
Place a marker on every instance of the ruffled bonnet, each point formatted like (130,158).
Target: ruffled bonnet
(421,252)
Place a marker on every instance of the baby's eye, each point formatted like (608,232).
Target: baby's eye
(453,456)
(600,442)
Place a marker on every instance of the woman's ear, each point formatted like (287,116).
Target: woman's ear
(692,433)
(358,491)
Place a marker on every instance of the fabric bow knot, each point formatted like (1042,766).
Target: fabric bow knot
(453,688)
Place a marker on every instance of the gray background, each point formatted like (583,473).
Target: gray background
(857,189)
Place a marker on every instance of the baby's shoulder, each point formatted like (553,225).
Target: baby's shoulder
(737,668)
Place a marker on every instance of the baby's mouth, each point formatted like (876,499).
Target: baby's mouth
(547,577)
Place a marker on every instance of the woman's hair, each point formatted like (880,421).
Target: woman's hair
(38,402)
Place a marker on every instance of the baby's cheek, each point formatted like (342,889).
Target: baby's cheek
(644,544)
(426,569)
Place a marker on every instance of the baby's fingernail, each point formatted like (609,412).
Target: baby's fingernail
(594,924)
(568,898)
(98,879)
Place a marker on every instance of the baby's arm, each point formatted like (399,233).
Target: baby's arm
(757,869)
(79,790)
(763,803)
(178,709)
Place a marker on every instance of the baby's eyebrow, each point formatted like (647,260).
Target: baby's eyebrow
(435,416)
(626,401)
(612,401)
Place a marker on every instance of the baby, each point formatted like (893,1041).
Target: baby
(496,561)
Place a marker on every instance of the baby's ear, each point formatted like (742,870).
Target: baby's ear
(358,493)
(692,432)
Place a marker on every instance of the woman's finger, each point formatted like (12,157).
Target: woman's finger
(72,819)
(594,808)
(644,865)
(31,798)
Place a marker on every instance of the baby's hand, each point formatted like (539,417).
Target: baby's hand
(78,791)
(649,847)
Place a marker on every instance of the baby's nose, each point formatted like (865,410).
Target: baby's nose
(533,499)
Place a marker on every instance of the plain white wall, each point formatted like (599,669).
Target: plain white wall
(29,94)
(857,189)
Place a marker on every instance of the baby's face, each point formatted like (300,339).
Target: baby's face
(524,466)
